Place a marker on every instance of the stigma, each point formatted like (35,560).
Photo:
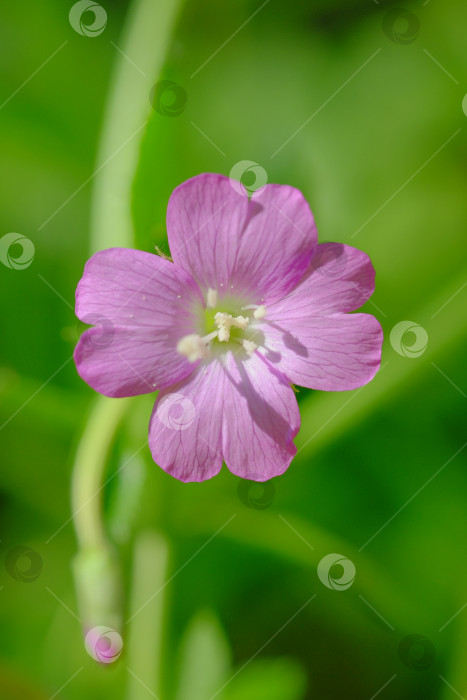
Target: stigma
(226,321)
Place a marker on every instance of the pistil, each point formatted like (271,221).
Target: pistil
(226,321)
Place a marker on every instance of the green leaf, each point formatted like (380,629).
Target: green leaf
(205,659)
(269,679)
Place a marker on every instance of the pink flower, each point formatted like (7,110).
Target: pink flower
(250,305)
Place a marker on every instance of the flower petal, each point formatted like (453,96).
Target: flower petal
(261,418)
(205,219)
(141,305)
(339,278)
(277,244)
(331,353)
(186,423)
(261,247)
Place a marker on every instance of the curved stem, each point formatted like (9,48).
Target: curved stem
(89,468)
(95,568)
(143,47)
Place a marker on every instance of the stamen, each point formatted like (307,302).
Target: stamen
(211,298)
(259,311)
(210,336)
(249,346)
(194,347)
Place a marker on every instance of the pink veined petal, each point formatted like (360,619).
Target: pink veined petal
(261,247)
(140,305)
(278,242)
(244,410)
(261,418)
(331,353)
(205,220)
(186,423)
(339,278)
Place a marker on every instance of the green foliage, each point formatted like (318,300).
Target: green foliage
(379,152)
(205,659)
(268,679)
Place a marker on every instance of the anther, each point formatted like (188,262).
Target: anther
(259,311)
(193,347)
(249,346)
(211,298)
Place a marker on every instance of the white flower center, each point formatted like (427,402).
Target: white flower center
(198,347)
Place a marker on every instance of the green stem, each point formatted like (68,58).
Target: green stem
(95,567)
(89,467)
(456,670)
(145,41)
(150,566)
(144,45)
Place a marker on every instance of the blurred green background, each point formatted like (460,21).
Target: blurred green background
(358,104)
